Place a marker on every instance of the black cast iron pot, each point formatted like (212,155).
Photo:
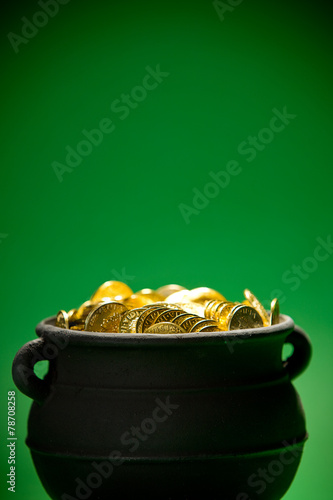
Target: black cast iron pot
(204,415)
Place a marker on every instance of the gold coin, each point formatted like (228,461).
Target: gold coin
(167,290)
(221,313)
(62,319)
(145,312)
(84,310)
(112,290)
(152,317)
(216,309)
(243,316)
(105,318)
(204,323)
(168,315)
(203,294)
(257,305)
(152,294)
(135,301)
(165,328)
(208,307)
(179,319)
(128,320)
(275,312)
(189,323)
(192,308)
(71,316)
(180,296)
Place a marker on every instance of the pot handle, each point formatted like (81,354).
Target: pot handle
(23,371)
(300,358)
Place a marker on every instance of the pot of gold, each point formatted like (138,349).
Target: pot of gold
(169,394)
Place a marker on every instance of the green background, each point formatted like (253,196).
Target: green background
(118,211)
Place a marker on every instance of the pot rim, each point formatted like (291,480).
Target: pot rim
(47,328)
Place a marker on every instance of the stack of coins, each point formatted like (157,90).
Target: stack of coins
(115,308)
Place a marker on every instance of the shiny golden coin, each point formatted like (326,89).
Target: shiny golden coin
(208,308)
(71,316)
(135,301)
(112,289)
(151,318)
(189,323)
(204,323)
(62,319)
(180,296)
(168,315)
(243,316)
(204,294)
(152,294)
(179,319)
(167,290)
(128,321)
(214,310)
(84,310)
(145,312)
(192,308)
(275,312)
(105,318)
(221,313)
(257,305)
(165,328)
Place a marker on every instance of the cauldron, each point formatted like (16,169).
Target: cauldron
(176,416)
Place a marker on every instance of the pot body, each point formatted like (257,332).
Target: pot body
(165,416)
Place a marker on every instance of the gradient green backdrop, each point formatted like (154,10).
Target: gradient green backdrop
(118,211)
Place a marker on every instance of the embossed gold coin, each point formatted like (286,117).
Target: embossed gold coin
(243,316)
(257,305)
(151,318)
(165,327)
(105,318)
(128,321)
(145,312)
(112,290)
(189,323)
(168,315)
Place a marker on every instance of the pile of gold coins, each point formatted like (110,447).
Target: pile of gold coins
(114,308)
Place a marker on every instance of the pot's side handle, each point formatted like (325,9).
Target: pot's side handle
(23,371)
(300,358)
